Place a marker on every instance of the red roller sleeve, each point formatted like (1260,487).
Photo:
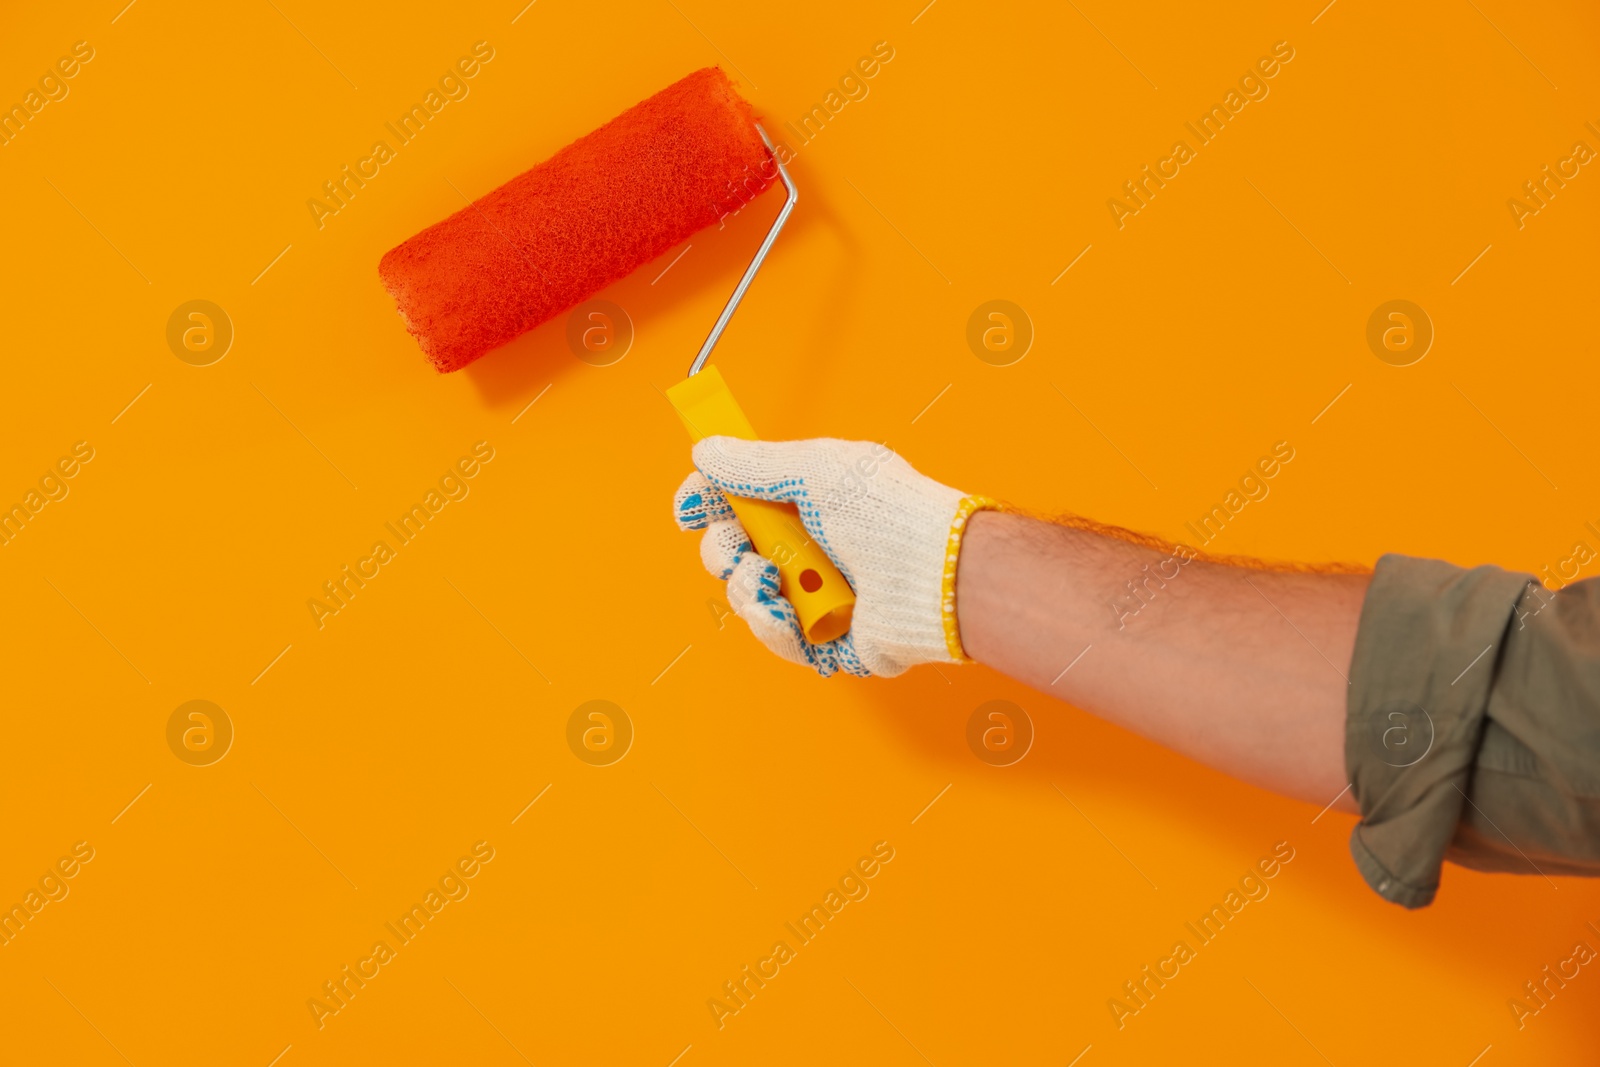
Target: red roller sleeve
(590,214)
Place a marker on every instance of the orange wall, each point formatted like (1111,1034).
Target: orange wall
(371,755)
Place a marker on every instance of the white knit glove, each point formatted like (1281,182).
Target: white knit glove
(893,533)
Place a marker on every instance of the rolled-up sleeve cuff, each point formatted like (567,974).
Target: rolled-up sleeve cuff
(1420,678)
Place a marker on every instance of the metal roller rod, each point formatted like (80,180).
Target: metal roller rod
(755,264)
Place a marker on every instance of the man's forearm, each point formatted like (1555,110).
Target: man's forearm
(1242,669)
(1470,731)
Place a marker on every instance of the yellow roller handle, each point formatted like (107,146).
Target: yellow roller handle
(809,580)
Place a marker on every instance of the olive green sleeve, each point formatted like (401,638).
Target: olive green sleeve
(1473,727)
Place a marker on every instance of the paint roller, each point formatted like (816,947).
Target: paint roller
(594,212)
